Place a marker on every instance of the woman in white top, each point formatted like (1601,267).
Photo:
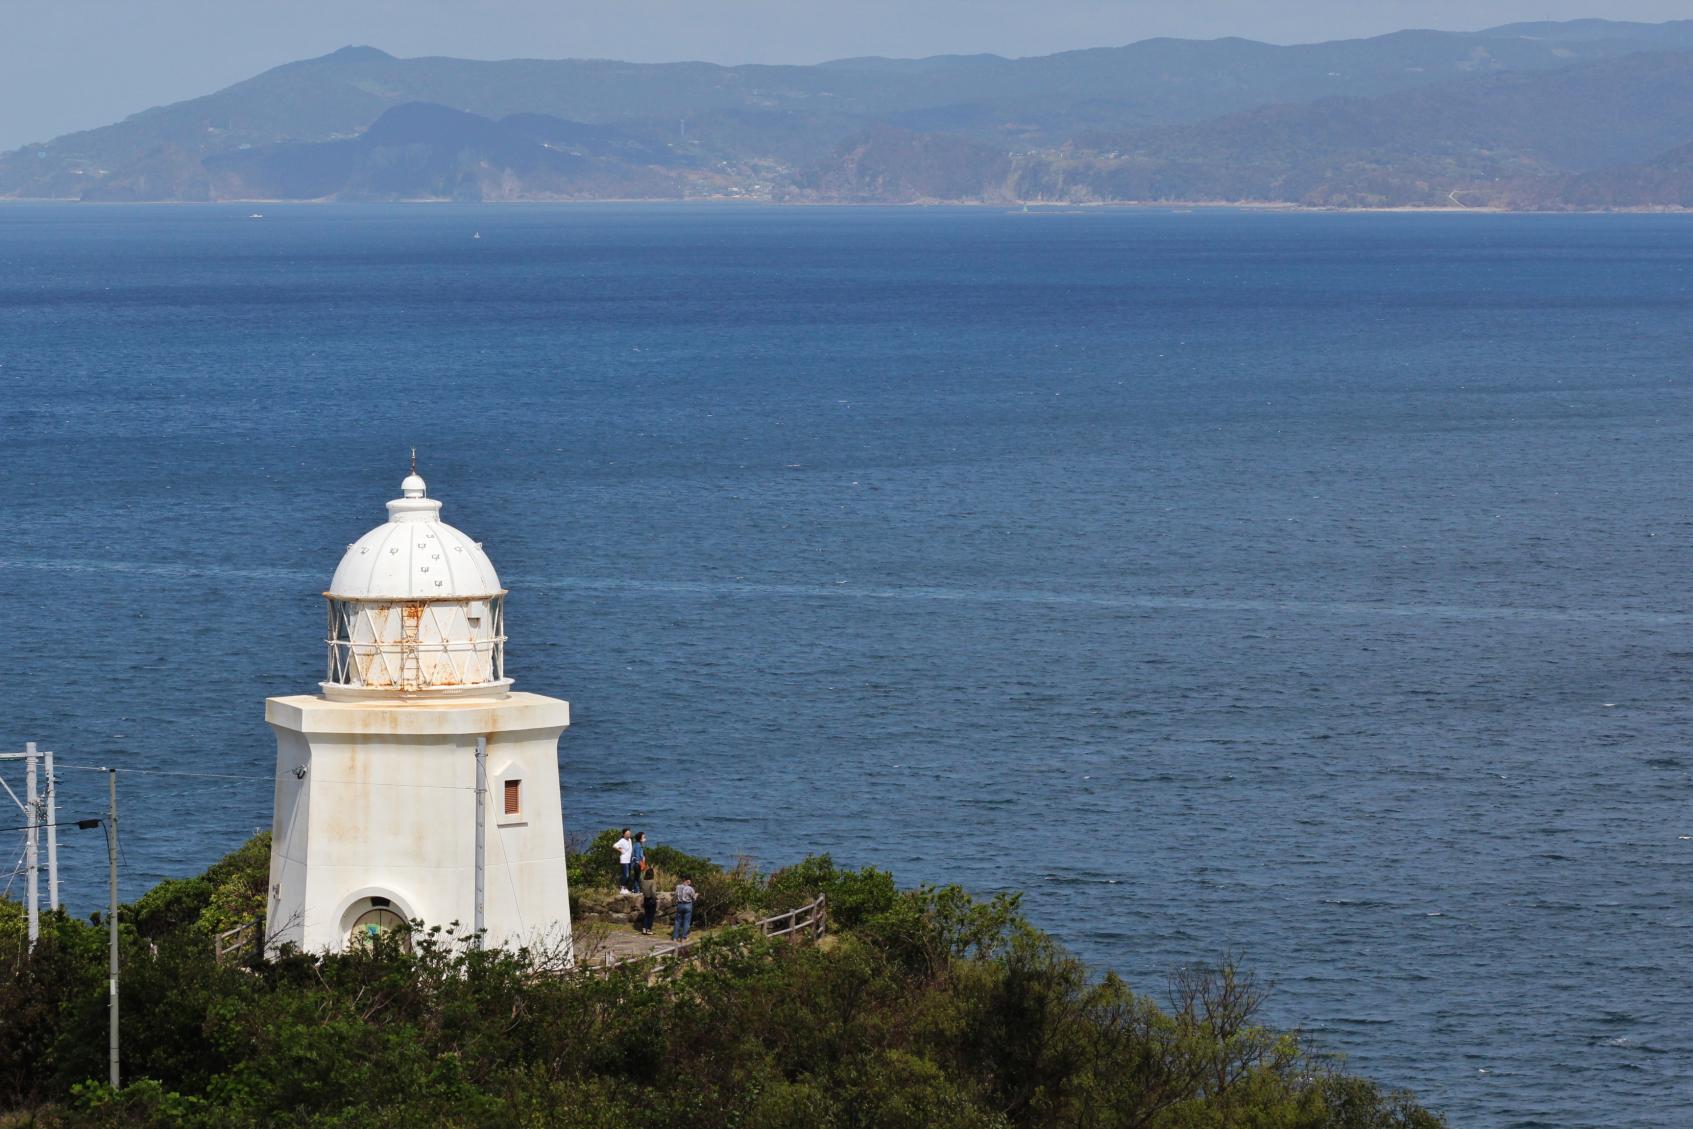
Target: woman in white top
(625,848)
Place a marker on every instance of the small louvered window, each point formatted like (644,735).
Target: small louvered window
(514,797)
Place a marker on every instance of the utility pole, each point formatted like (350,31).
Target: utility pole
(52,793)
(481,830)
(32,841)
(112,912)
(36,811)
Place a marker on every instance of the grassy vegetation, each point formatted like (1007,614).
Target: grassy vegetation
(927,1008)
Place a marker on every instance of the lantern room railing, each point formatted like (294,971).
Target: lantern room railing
(416,646)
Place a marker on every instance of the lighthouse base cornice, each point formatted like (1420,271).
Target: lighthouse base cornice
(315,713)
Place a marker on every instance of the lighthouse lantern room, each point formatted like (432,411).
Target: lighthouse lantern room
(416,785)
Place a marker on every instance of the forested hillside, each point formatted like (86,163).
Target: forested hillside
(922,1009)
(1562,115)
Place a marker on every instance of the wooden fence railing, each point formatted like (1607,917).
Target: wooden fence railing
(231,941)
(810,920)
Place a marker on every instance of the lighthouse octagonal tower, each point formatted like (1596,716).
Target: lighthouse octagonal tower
(377,783)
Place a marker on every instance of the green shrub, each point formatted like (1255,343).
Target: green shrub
(1351,1102)
(52,1016)
(677,863)
(173,904)
(144,1102)
(721,894)
(854,896)
(893,1089)
(240,886)
(929,1008)
(595,865)
(231,893)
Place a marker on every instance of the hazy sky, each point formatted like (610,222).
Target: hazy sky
(71,64)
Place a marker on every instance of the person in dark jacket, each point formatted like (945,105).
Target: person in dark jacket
(649,898)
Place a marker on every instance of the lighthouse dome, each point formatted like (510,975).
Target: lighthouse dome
(414,555)
(415,608)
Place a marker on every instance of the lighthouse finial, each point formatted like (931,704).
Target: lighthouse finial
(414,460)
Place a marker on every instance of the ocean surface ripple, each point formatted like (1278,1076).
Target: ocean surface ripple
(1308,587)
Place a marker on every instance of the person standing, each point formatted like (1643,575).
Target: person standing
(684,910)
(625,849)
(649,897)
(638,856)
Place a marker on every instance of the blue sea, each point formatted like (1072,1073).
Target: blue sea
(1307,587)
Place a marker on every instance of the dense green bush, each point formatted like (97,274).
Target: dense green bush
(231,893)
(925,1008)
(675,863)
(721,894)
(595,864)
(854,896)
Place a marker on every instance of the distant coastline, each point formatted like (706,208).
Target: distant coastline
(1581,116)
(1049,208)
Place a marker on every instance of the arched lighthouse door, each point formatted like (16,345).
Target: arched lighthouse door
(382,922)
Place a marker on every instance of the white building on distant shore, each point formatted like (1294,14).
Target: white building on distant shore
(377,785)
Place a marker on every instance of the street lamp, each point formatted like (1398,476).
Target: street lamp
(111,824)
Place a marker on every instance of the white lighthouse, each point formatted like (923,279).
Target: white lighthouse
(416,785)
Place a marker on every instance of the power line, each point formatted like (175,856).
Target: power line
(229,776)
(160,772)
(13,877)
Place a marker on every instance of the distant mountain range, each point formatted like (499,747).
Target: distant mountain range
(1583,114)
